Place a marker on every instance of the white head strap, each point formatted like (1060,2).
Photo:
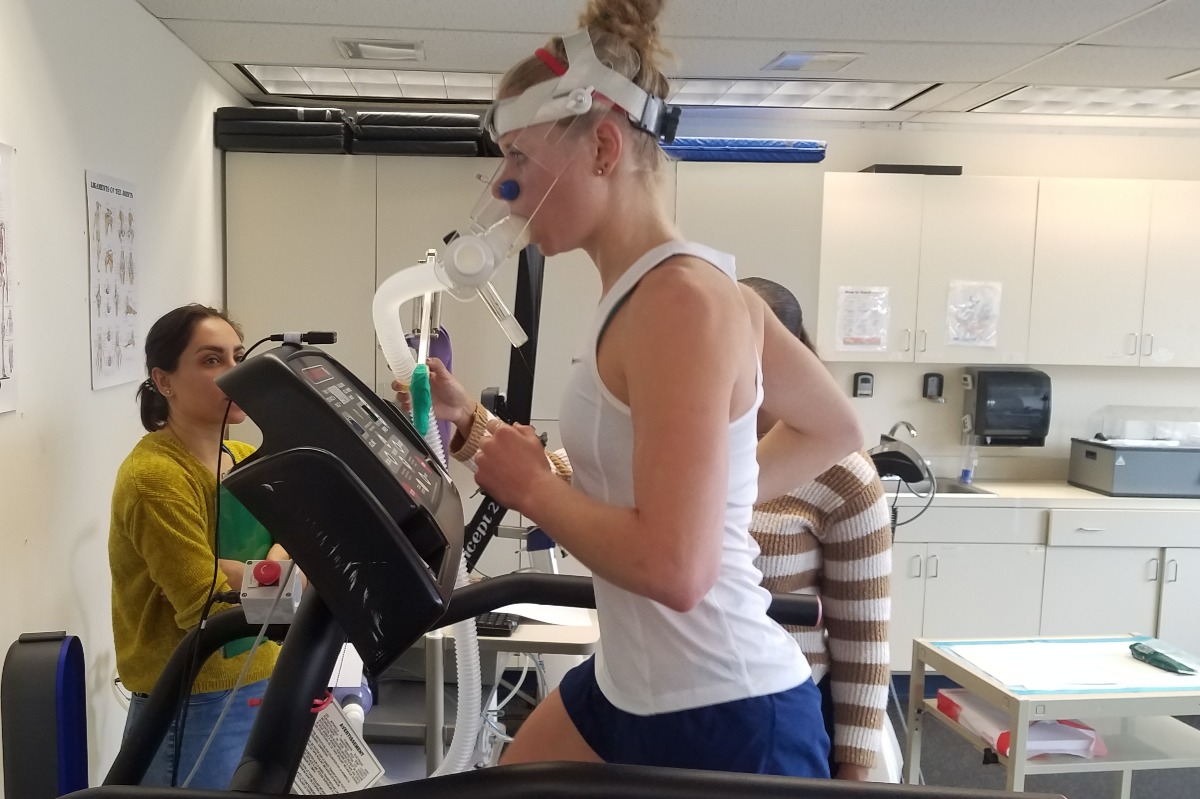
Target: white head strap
(571,94)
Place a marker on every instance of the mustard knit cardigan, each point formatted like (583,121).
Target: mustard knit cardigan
(160,552)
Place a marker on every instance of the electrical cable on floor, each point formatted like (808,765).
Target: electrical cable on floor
(123,698)
(900,716)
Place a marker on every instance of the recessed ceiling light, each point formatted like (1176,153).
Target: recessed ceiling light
(842,94)
(378,84)
(798,61)
(476,87)
(1088,101)
(381,49)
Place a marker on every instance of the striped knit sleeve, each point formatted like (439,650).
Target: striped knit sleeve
(465,450)
(856,544)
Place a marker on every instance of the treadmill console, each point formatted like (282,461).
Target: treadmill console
(346,484)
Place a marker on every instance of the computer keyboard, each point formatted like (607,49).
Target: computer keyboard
(497,624)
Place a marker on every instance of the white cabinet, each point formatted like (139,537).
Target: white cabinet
(962,591)
(1123,571)
(1170,325)
(977,238)
(1180,598)
(870,250)
(1100,590)
(926,241)
(1089,271)
(908,602)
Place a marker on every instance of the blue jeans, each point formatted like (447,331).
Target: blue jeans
(222,758)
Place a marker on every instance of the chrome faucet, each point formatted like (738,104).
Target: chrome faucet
(912,431)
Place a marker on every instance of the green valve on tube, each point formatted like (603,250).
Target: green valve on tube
(422,398)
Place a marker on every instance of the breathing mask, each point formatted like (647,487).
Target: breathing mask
(537,154)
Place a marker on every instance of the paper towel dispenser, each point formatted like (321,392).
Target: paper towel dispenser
(1006,406)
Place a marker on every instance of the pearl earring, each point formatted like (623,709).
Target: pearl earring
(599,171)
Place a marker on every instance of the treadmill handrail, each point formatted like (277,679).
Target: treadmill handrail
(600,781)
(577,592)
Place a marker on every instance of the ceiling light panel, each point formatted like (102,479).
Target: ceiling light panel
(327,81)
(393,84)
(374,82)
(481,87)
(279,80)
(859,95)
(1083,101)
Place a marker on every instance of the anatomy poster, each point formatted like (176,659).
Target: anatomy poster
(8,289)
(116,347)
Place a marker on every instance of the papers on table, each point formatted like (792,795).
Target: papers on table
(550,614)
(1089,665)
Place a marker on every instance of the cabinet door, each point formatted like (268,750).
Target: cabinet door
(1100,590)
(977,238)
(983,590)
(1170,324)
(764,214)
(1089,271)
(1177,623)
(908,602)
(870,253)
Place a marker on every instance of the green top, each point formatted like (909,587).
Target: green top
(160,553)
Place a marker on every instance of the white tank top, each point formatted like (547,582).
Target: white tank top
(653,659)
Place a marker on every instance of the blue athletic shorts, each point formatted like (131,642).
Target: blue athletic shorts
(782,733)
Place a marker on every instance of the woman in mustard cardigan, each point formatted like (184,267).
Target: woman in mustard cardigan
(162,538)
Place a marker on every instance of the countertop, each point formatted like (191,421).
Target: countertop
(1040,494)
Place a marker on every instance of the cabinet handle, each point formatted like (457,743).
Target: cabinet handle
(1133,344)
(1153,571)
(1147,344)
(907,339)
(933,567)
(916,563)
(1172,571)
(923,338)
(1089,529)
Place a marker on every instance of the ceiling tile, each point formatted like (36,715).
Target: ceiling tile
(1094,65)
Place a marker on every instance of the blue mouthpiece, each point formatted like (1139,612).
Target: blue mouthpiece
(509,190)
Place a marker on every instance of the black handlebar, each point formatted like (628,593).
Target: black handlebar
(577,592)
(600,781)
(147,733)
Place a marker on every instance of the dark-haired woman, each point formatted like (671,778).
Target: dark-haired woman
(162,538)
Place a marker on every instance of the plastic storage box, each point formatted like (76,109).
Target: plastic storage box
(1148,469)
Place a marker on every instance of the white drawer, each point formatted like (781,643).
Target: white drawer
(1123,528)
(952,525)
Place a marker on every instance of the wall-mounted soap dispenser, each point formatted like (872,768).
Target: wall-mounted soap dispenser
(932,384)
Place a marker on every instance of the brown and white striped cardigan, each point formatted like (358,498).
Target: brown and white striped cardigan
(832,537)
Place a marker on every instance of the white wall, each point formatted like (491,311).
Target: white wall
(99,85)
(980,150)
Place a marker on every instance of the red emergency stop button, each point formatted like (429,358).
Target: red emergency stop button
(266,572)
